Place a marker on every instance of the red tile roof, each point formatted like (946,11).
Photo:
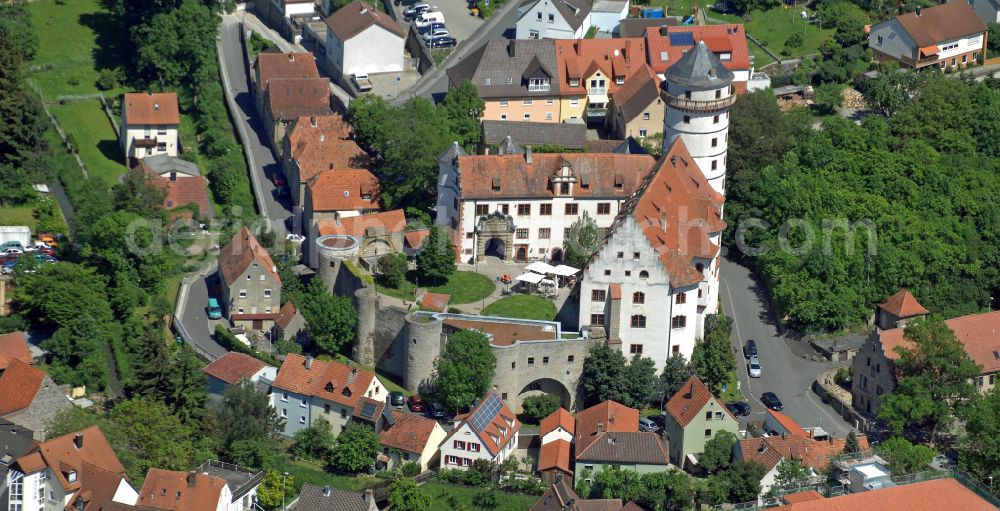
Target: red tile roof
(804,496)
(978,333)
(689,401)
(99,487)
(903,305)
(504,333)
(555,454)
(344,189)
(171,490)
(934,495)
(355,17)
(61,455)
(409,433)
(318,156)
(757,450)
(719,39)
(20,384)
(491,435)
(286,315)
(331,381)
(415,239)
(291,98)
(615,58)
(435,301)
(603,417)
(605,175)
(391,221)
(240,253)
(184,191)
(317,128)
(13,346)
(558,419)
(31,463)
(788,423)
(159,108)
(272,66)
(677,210)
(233,367)
(769,450)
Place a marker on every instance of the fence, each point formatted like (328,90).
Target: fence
(55,124)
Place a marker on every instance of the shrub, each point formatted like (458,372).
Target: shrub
(480,474)
(486,499)
(109,78)
(537,408)
(409,469)
(74,81)
(451,475)
(392,270)
(795,40)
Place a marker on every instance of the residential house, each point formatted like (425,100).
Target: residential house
(607,15)
(251,287)
(181,180)
(508,137)
(411,438)
(234,367)
(149,125)
(13,346)
(488,432)
(637,27)
(787,440)
(947,35)
(607,434)
(987,10)
(323,498)
(29,398)
(874,365)
(290,325)
(362,40)
(560,496)
(555,456)
(694,416)
(521,206)
(518,80)
(934,495)
(380,233)
(341,193)
(637,109)
(413,240)
(307,390)
(76,471)
(212,486)
(288,86)
(15,441)
(553,19)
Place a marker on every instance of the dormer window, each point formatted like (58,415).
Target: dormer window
(619,80)
(538,85)
(574,82)
(71,477)
(496,183)
(346,392)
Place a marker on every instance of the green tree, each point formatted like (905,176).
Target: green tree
(464,110)
(712,491)
(890,91)
(177,44)
(615,483)
(829,97)
(274,489)
(188,396)
(581,242)
(641,377)
(851,445)
(675,372)
(791,475)
(607,376)
(718,452)
(314,442)
(743,480)
(905,457)
(331,319)
(712,359)
(405,495)
(464,370)
(979,448)
(934,381)
(584,484)
(138,195)
(156,438)
(356,449)
(436,259)
(391,270)
(246,415)
(536,408)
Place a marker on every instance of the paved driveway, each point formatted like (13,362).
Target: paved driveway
(461,25)
(195,318)
(786,374)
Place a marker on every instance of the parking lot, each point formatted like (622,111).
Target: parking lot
(461,25)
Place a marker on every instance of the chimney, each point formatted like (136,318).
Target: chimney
(156,106)
(178,496)
(527,155)
(354,369)
(369,495)
(291,57)
(600,427)
(78,441)
(309,362)
(312,121)
(322,137)
(917,10)
(326,491)
(192,478)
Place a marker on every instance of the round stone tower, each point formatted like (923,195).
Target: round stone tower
(423,345)
(366,303)
(332,251)
(698,94)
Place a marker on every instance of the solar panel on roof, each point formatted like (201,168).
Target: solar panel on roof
(681,39)
(368,410)
(486,412)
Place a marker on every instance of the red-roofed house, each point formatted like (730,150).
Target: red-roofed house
(362,40)
(307,389)
(948,35)
(694,416)
(555,457)
(560,424)
(290,325)
(29,398)
(233,367)
(77,471)
(488,432)
(182,181)
(411,438)
(934,495)
(898,310)
(607,434)
(149,124)
(212,486)
(288,86)
(13,346)
(340,193)
(251,287)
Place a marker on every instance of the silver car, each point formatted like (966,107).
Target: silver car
(648,425)
(754,367)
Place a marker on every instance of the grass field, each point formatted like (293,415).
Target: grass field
(17,215)
(463,498)
(522,306)
(95,138)
(463,286)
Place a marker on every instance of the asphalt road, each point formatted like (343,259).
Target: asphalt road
(787,375)
(195,318)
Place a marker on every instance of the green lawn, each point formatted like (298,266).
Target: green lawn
(463,286)
(774,26)
(96,139)
(17,215)
(522,306)
(732,393)
(463,495)
(76,39)
(303,471)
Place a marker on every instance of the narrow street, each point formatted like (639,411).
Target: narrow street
(784,373)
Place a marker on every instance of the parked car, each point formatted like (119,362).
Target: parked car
(427,18)
(443,42)
(648,425)
(12,244)
(750,349)
(45,258)
(397,399)
(438,412)
(753,368)
(12,251)
(416,403)
(770,400)
(429,28)
(214,311)
(659,420)
(739,408)
(417,9)
(8,267)
(435,34)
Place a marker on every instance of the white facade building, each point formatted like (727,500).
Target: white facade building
(361,40)
(946,35)
(553,19)
(488,432)
(608,14)
(149,125)
(295,7)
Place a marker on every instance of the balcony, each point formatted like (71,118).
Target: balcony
(602,91)
(539,87)
(144,142)
(695,105)
(596,112)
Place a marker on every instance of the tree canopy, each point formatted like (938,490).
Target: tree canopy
(607,375)
(464,370)
(436,259)
(331,318)
(581,242)
(356,449)
(712,359)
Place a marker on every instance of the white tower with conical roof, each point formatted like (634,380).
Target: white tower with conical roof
(698,92)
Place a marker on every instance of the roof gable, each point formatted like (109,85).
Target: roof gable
(603,417)
(272,65)
(330,381)
(640,447)
(20,384)
(558,419)
(392,221)
(690,400)
(605,175)
(343,190)
(409,433)
(13,346)
(240,253)
(62,455)
(233,367)
(932,495)
(355,17)
(492,421)
(903,305)
(155,108)
(941,23)
(978,333)
(180,491)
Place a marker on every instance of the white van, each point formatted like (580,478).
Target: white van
(427,18)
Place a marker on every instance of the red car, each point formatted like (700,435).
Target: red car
(416,403)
